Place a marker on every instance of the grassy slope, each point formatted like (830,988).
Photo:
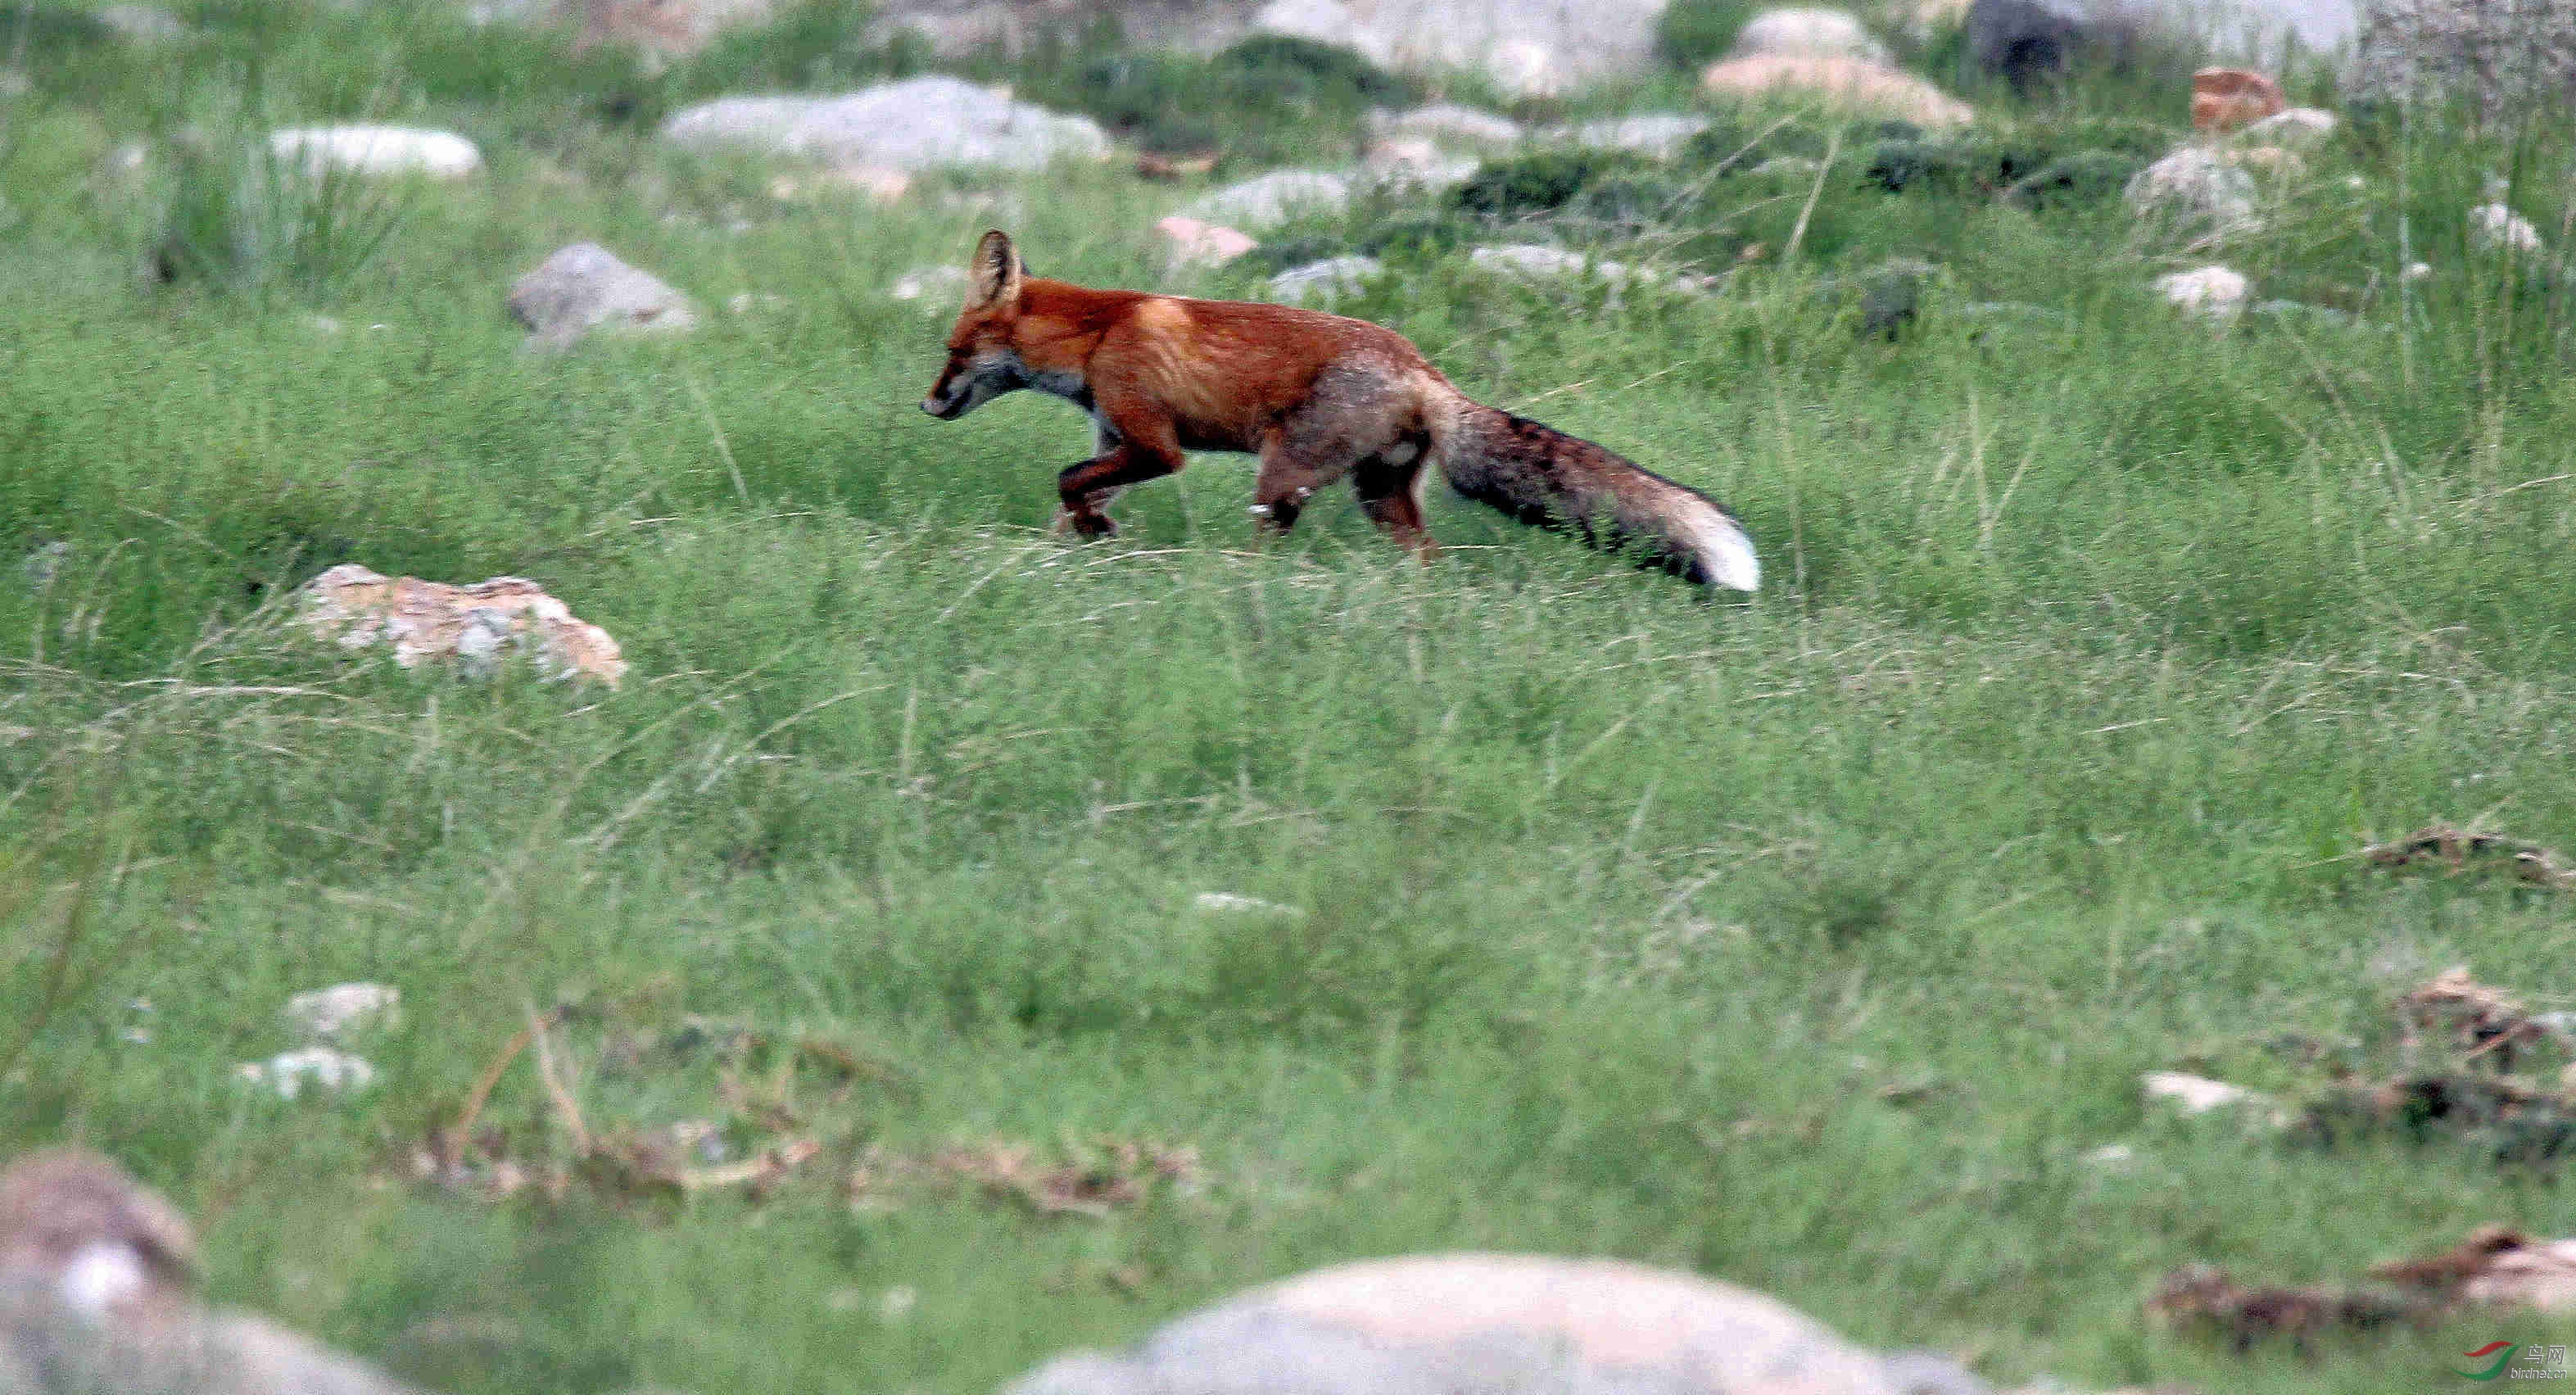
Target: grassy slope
(1811,942)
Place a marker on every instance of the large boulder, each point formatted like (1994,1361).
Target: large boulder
(2508,57)
(1845,83)
(1492,1324)
(95,1296)
(1807,32)
(922,123)
(466,627)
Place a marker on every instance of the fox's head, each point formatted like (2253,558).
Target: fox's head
(983,358)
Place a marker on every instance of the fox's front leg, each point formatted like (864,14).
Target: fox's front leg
(1144,448)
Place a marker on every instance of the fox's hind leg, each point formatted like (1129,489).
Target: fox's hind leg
(1390,488)
(1342,423)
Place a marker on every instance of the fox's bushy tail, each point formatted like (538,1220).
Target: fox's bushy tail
(1544,477)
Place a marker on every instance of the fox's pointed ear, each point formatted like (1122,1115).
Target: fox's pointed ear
(996,272)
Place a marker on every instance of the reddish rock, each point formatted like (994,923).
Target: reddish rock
(2223,99)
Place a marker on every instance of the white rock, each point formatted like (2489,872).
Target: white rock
(1657,135)
(2416,271)
(1327,280)
(343,1009)
(1531,262)
(1526,68)
(919,124)
(142,24)
(1415,164)
(2194,188)
(2115,1157)
(2294,128)
(1271,199)
(1227,903)
(2195,1094)
(585,287)
(1494,1324)
(378,150)
(1189,242)
(1808,32)
(937,284)
(2210,292)
(1449,122)
(2496,228)
(288,1072)
(754,303)
(1324,22)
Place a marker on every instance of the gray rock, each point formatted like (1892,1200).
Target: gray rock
(95,1273)
(1657,135)
(1806,32)
(1274,198)
(1932,1373)
(2296,128)
(1450,124)
(2507,56)
(343,1010)
(1491,1324)
(1891,294)
(920,124)
(584,287)
(1327,280)
(2321,316)
(1324,22)
(2192,192)
(142,24)
(378,150)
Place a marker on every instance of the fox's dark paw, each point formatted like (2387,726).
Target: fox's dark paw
(1086,524)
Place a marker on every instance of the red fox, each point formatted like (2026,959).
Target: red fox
(1317,397)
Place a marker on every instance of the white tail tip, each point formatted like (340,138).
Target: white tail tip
(1725,553)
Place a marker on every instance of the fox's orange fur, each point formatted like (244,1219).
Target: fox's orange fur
(1318,397)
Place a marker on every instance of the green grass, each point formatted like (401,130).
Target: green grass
(1811,942)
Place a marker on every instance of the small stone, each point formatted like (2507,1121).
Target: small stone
(2224,99)
(939,284)
(1190,242)
(322,1067)
(1328,280)
(584,287)
(2292,126)
(342,1010)
(754,303)
(2194,1094)
(378,150)
(2195,191)
(2416,271)
(2115,1157)
(141,24)
(1227,903)
(2496,228)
